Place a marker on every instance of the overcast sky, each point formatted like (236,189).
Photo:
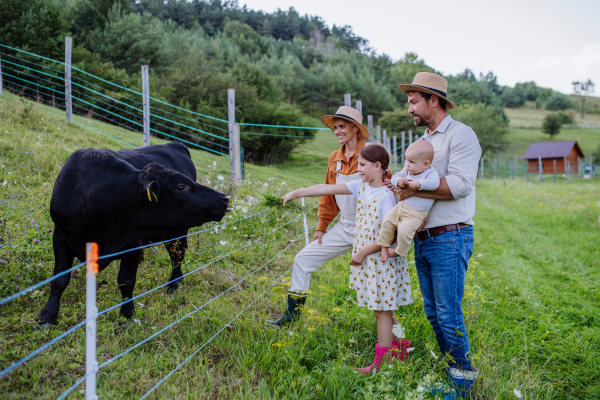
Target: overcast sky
(551,42)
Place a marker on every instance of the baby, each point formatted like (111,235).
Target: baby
(407,215)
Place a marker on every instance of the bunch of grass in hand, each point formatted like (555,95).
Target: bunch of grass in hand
(275,200)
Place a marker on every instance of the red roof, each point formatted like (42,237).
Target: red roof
(551,150)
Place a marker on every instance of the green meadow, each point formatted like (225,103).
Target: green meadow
(532,300)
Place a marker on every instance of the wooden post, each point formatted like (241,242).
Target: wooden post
(565,165)
(578,167)
(395,153)
(569,171)
(0,76)
(541,168)
(527,169)
(402,149)
(370,126)
(68,100)
(409,138)
(347,101)
(495,167)
(237,159)
(146,104)
(573,123)
(525,124)
(510,168)
(378,134)
(91,315)
(231,120)
(385,142)
(481,168)
(359,106)
(554,162)
(517,124)
(516,168)
(591,166)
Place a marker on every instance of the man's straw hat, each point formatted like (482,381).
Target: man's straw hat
(349,114)
(426,82)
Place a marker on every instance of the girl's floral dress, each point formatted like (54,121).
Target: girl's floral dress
(379,286)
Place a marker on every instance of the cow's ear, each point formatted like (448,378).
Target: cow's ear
(153,191)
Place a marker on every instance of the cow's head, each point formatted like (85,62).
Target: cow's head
(177,201)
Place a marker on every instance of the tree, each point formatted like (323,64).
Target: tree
(551,125)
(558,101)
(583,90)
(397,121)
(489,123)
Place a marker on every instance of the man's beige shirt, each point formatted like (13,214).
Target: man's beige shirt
(457,154)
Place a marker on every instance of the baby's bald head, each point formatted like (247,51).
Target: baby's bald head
(419,156)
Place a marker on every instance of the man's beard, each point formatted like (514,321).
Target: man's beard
(421,120)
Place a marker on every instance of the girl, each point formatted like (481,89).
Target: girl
(381,287)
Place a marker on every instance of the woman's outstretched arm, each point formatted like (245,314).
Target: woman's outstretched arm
(315,191)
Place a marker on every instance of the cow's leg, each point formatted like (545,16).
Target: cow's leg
(176,250)
(126,280)
(63,260)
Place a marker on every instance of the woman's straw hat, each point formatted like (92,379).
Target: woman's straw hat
(351,115)
(426,82)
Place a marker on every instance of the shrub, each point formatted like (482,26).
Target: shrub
(489,123)
(558,101)
(551,125)
(565,118)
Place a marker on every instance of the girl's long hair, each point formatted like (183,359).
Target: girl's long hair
(376,152)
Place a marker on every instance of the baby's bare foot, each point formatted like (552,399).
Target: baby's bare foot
(392,253)
(384,254)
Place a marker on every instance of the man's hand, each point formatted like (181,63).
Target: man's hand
(405,193)
(318,236)
(422,224)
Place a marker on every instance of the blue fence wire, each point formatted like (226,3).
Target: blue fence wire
(31,62)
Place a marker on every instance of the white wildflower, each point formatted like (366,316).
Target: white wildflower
(433,354)
(4,183)
(420,388)
(410,349)
(249,183)
(279,189)
(411,262)
(235,228)
(140,304)
(398,331)
(244,210)
(479,255)
(222,243)
(352,340)
(265,184)
(283,183)
(220,177)
(517,393)
(291,333)
(214,164)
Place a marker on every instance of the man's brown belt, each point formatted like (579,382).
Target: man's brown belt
(438,230)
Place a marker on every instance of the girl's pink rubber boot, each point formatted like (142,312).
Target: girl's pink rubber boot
(380,352)
(400,349)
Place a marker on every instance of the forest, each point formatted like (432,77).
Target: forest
(286,68)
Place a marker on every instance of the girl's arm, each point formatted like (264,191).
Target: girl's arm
(315,191)
(360,256)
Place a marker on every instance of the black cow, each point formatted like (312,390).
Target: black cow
(122,200)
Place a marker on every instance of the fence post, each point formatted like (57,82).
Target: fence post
(359,106)
(146,104)
(385,140)
(541,168)
(516,168)
(527,169)
(347,100)
(481,168)
(510,168)
(305,224)
(231,119)
(569,171)
(237,159)
(370,126)
(495,167)
(554,162)
(0,76)
(409,138)
(68,101)
(591,166)
(402,149)
(395,153)
(378,134)
(91,314)
(578,167)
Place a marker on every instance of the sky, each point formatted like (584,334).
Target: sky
(550,42)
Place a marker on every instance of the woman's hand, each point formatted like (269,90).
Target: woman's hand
(289,197)
(318,236)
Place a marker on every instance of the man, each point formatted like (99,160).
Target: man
(445,243)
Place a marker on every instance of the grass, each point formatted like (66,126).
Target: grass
(531,300)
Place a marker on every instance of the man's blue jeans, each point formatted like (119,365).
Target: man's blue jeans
(442,263)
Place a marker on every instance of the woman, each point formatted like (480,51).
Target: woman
(326,245)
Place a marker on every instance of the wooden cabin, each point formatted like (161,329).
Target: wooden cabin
(567,155)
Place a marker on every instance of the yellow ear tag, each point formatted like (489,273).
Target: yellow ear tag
(154,196)
(148,190)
